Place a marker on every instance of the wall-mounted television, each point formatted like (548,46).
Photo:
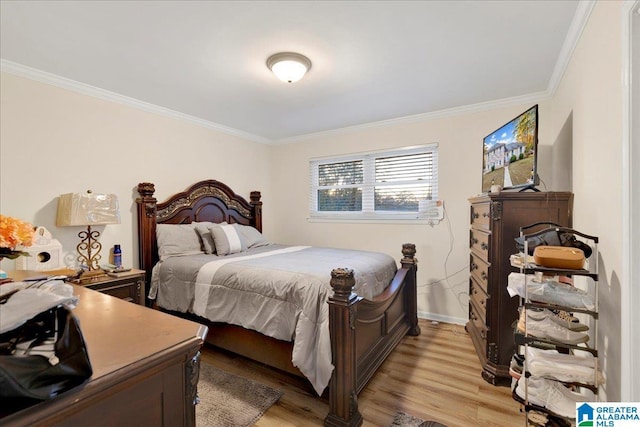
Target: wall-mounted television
(509,155)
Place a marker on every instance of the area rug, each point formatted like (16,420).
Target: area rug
(405,420)
(227,400)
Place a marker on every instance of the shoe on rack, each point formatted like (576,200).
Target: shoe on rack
(542,313)
(579,367)
(550,330)
(549,395)
(538,418)
(515,367)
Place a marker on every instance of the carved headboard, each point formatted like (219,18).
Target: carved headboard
(208,200)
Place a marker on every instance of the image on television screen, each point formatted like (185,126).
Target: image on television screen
(509,153)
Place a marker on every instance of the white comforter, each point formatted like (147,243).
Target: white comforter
(279,291)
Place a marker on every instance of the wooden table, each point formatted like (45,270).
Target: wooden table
(145,369)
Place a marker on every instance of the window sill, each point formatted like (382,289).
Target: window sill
(431,218)
(416,221)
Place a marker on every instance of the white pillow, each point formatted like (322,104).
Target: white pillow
(177,239)
(208,245)
(227,239)
(251,236)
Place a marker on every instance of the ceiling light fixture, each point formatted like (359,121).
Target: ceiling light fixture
(289,66)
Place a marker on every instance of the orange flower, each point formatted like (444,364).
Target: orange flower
(14,232)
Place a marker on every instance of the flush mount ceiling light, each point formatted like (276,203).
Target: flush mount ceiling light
(289,66)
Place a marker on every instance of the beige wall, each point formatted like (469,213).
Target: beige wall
(590,95)
(442,250)
(56,141)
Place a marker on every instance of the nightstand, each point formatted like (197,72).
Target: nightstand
(128,286)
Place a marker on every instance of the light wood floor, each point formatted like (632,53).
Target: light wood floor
(435,376)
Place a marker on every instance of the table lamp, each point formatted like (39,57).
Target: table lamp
(88,209)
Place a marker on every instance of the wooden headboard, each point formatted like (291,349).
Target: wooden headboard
(208,200)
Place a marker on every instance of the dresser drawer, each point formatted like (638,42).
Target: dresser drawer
(128,292)
(478,324)
(479,242)
(129,287)
(479,271)
(481,216)
(478,296)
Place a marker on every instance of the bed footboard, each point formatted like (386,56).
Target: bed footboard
(364,332)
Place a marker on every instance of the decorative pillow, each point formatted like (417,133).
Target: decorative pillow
(251,236)
(227,239)
(177,239)
(208,245)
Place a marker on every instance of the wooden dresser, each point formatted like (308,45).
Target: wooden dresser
(495,221)
(145,369)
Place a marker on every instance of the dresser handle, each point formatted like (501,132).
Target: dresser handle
(483,275)
(476,215)
(474,266)
(485,214)
(483,335)
(484,246)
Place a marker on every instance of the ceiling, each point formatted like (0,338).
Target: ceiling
(372,60)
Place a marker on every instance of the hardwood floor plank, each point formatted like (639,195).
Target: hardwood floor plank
(435,376)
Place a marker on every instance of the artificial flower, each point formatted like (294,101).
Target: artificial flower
(14,233)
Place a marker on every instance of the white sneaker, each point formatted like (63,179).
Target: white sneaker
(541,314)
(563,367)
(548,329)
(550,395)
(563,402)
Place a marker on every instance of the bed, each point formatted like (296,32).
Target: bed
(361,332)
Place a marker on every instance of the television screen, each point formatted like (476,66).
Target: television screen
(509,153)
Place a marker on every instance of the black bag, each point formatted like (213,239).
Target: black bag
(569,239)
(552,237)
(549,238)
(35,378)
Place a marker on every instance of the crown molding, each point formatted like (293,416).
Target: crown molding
(85,89)
(580,18)
(449,112)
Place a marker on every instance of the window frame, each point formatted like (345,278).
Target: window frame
(431,211)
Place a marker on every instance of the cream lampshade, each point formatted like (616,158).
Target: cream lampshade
(87,209)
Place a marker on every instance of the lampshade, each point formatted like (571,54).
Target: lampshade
(87,209)
(76,209)
(289,66)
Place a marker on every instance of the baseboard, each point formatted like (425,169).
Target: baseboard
(444,319)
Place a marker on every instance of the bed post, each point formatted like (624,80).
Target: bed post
(343,397)
(409,262)
(257,209)
(146,229)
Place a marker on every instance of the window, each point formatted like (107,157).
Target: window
(397,184)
